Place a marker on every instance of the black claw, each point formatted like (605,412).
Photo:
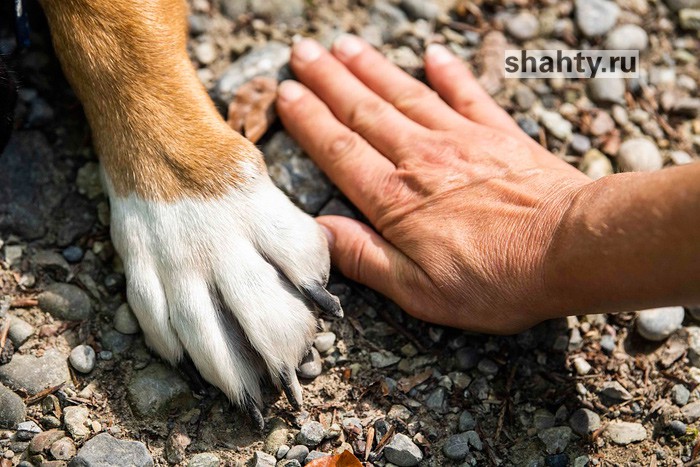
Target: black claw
(255,416)
(327,302)
(291,388)
(197,383)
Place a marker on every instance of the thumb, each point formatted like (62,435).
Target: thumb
(365,257)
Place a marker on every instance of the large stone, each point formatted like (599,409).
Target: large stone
(20,331)
(32,374)
(12,408)
(156,389)
(625,432)
(104,450)
(659,323)
(66,302)
(402,451)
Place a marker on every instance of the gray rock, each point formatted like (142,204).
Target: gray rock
(691,412)
(627,37)
(267,60)
(436,400)
(311,434)
(543,419)
(277,10)
(76,420)
(613,392)
(157,389)
(523,26)
(298,452)
(694,345)
(66,302)
(352,426)
(556,125)
(83,358)
(624,433)
(27,430)
(694,312)
(555,439)
(390,19)
(421,9)
(690,18)
(311,365)
(680,395)
(467,358)
(474,440)
(606,90)
(525,97)
(19,331)
(277,435)
(313,455)
(125,321)
(584,422)
(639,155)
(529,127)
(105,450)
(63,449)
(607,343)
(466,421)
(296,174)
(677,428)
(282,451)
(263,459)
(73,254)
(596,17)
(383,359)
(43,441)
(324,341)
(115,341)
(52,264)
(402,451)
(596,165)
(582,366)
(12,408)
(657,324)
(289,463)
(456,447)
(32,374)
(580,144)
(487,366)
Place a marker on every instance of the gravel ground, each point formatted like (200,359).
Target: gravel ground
(82,388)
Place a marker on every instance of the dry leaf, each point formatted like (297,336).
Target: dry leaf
(490,56)
(406,384)
(344,459)
(253,108)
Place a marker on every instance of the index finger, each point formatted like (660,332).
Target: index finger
(358,169)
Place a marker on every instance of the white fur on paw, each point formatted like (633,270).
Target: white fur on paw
(220,280)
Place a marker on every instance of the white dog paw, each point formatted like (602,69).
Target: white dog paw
(229,281)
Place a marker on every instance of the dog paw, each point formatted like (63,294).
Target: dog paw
(230,282)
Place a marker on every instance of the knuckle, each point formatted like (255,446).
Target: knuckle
(343,144)
(365,113)
(414,98)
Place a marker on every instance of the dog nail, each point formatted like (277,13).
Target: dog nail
(307,50)
(327,302)
(292,388)
(255,416)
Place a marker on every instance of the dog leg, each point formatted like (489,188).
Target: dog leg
(219,263)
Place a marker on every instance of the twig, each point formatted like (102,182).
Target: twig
(23,302)
(40,395)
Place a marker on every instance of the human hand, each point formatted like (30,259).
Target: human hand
(464,205)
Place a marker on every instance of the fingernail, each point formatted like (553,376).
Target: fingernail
(347,46)
(290,91)
(307,50)
(330,238)
(438,54)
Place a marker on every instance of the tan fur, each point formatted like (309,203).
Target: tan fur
(154,127)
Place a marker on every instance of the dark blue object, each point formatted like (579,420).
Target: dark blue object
(21,25)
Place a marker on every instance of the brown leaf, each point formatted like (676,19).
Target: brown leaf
(406,384)
(344,459)
(252,111)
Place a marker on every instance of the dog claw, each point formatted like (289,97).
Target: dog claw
(292,388)
(197,383)
(255,416)
(327,302)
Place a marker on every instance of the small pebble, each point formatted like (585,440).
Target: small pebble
(125,321)
(324,341)
(678,428)
(523,26)
(582,366)
(27,430)
(596,17)
(83,358)
(606,90)
(639,155)
(596,165)
(466,421)
(680,395)
(584,422)
(298,452)
(555,439)
(607,343)
(579,143)
(456,447)
(627,37)
(73,254)
(529,126)
(556,125)
(557,460)
(311,434)
(263,459)
(657,324)
(383,359)
(311,365)
(282,451)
